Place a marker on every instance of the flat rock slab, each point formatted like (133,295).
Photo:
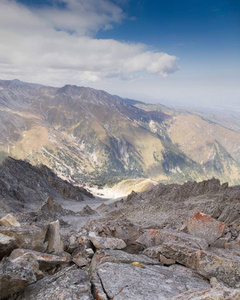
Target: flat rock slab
(7,244)
(70,283)
(106,242)
(46,261)
(219,263)
(206,227)
(124,281)
(153,237)
(27,237)
(118,256)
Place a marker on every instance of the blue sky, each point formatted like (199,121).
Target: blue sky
(178,52)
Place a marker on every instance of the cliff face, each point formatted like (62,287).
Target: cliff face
(23,186)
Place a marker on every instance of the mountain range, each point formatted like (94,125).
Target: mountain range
(88,135)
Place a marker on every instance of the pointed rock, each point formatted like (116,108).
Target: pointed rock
(53,237)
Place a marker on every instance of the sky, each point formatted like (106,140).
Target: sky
(176,52)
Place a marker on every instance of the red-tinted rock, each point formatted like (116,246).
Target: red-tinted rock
(206,227)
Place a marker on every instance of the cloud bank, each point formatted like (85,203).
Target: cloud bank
(55,44)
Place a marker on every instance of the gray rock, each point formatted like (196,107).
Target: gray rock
(46,261)
(7,244)
(210,294)
(15,274)
(125,281)
(55,244)
(118,256)
(206,227)
(97,288)
(70,283)
(166,261)
(225,269)
(105,242)
(27,237)
(218,263)
(80,261)
(220,243)
(88,253)
(234,245)
(154,237)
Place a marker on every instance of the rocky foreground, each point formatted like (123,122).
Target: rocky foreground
(172,242)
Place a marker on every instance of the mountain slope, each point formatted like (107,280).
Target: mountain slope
(23,186)
(89,135)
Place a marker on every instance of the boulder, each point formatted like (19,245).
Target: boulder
(153,237)
(119,228)
(70,283)
(105,242)
(233,245)
(221,265)
(126,281)
(166,261)
(9,220)
(88,253)
(87,211)
(27,237)
(16,274)
(53,237)
(80,261)
(45,261)
(7,244)
(206,227)
(218,263)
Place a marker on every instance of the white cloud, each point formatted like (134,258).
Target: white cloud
(37,46)
(81,16)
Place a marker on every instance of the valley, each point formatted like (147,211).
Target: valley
(88,135)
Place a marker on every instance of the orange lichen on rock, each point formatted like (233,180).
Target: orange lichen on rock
(206,227)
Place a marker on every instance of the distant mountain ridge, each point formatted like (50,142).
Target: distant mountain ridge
(85,134)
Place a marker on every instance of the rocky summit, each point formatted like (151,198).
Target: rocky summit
(179,242)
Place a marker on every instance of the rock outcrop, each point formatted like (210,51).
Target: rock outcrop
(70,283)
(23,186)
